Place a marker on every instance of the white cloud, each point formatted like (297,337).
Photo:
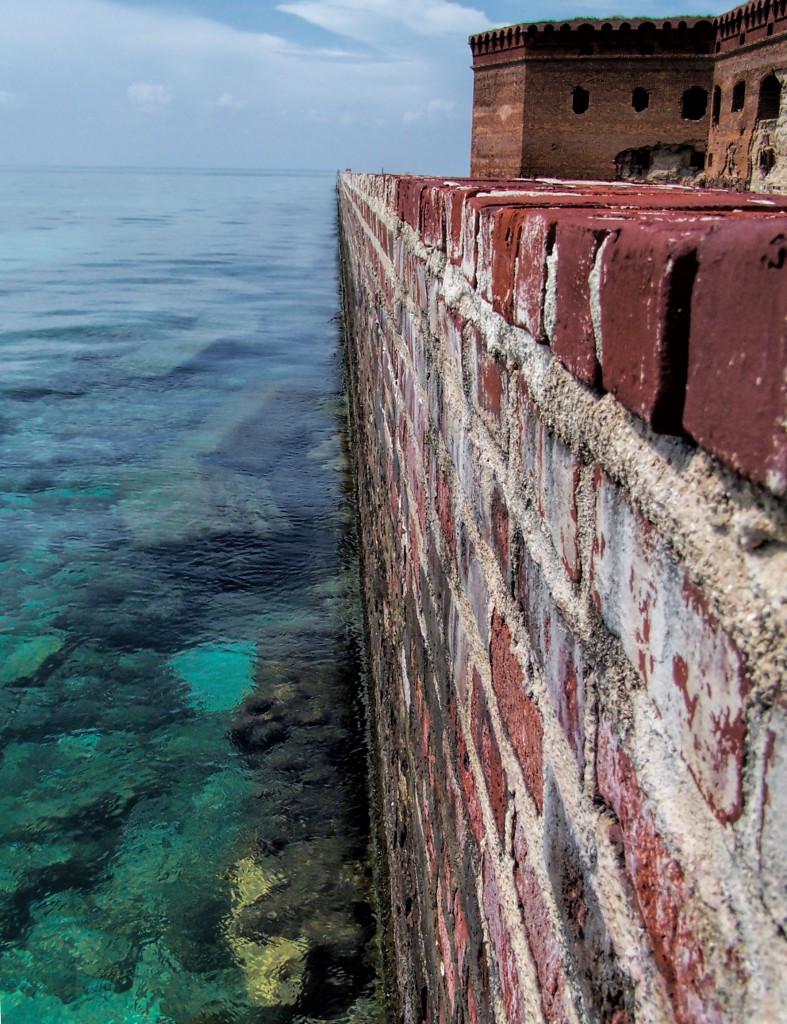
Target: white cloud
(372,21)
(435,108)
(226,102)
(89,69)
(149,96)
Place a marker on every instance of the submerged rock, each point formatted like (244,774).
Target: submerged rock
(25,659)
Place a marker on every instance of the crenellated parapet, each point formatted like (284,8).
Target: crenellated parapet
(588,38)
(750,22)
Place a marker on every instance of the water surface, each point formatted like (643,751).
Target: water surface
(183,809)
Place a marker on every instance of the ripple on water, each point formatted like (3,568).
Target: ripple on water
(184,832)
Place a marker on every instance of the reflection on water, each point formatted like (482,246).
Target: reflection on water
(184,827)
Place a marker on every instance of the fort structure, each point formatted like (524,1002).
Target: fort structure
(568,411)
(692,99)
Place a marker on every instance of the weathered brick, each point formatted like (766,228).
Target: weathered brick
(490,382)
(690,665)
(773,829)
(489,755)
(535,243)
(646,278)
(499,527)
(561,657)
(467,781)
(736,392)
(541,937)
(501,943)
(557,481)
(607,991)
(662,893)
(573,337)
(444,509)
(505,252)
(521,718)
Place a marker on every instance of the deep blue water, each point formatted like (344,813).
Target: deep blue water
(183,810)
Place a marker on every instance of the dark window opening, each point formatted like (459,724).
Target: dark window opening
(716,113)
(738,96)
(694,104)
(770,29)
(640,99)
(741,39)
(647,49)
(767,161)
(770,98)
(586,49)
(697,160)
(710,159)
(580,100)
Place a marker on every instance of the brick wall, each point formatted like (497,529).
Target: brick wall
(739,141)
(561,143)
(567,409)
(636,121)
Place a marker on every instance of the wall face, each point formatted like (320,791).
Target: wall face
(498,111)
(561,143)
(740,143)
(576,628)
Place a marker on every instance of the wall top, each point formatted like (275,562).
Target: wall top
(633,37)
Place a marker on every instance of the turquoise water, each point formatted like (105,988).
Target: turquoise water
(184,828)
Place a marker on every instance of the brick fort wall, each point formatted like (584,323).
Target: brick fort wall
(635,99)
(571,470)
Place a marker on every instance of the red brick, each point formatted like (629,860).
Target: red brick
(490,384)
(520,715)
(433,216)
(541,938)
(408,199)
(647,274)
(690,665)
(489,755)
(535,241)
(662,892)
(736,392)
(499,528)
(507,231)
(445,949)
(573,339)
(560,655)
(501,943)
(472,803)
(557,481)
(444,509)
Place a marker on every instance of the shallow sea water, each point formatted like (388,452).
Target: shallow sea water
(184,826)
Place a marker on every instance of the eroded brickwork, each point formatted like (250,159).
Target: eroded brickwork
(576,622)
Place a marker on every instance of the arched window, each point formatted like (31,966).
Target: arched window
(580,100)
(738,96)
(770,98)
(694,104)
(716,111)
(640,99)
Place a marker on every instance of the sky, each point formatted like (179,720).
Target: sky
(312,84)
